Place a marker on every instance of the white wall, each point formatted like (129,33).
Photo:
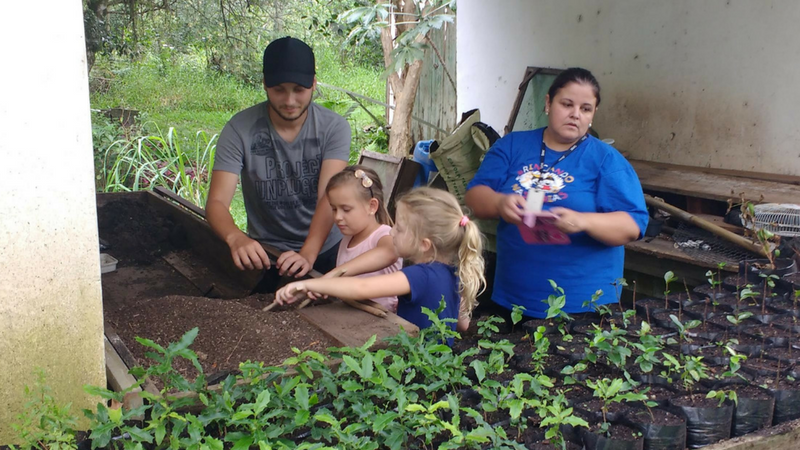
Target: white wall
(50,300)
(709,83)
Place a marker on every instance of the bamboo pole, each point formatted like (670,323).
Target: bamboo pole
(706,225)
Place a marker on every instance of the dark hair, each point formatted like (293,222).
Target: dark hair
(575,75)
(348,175)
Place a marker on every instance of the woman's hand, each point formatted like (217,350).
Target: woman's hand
(510,207)
(291,293)
(569,221)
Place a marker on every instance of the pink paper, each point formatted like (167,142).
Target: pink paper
(540,228)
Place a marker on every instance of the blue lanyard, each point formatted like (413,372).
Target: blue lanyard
(563,155)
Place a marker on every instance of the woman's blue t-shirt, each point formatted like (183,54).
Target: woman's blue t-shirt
(595,177)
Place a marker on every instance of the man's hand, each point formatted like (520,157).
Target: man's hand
(293,264)
(510,207)
(248,253)
(291,293)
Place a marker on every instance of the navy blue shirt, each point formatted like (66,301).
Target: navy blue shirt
(593,178)
(429,283)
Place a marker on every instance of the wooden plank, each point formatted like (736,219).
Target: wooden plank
(119,379)
(125,355)
(694,182)
(397,174)
(119,346)
(785,436)
(350,327)
(208,283)
(787,179)
(166,193)
(436,96)
(648,272)
(204,242)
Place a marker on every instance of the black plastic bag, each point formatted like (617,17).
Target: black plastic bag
(787,405)
(659,437)
(706,425)
(594,441)
(752,414)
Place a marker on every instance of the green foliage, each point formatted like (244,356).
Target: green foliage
(738,317)
(669,277)
(684,327)
(556,302)
(555,413)
(145,162)
(410,45)
(722,395)
(516,314)
(613,391)
(649,346)
(44,425)
(412,393)
(488,325)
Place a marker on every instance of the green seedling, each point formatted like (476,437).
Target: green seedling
(613,391)
(44,424)
(684,328)
(516,315)
(721,396)
(669,277)
(769,288)
(488,326)
(619,284)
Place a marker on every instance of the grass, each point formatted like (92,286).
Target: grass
(177,90)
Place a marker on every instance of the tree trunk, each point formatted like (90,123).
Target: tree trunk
(400,142)
(404,85)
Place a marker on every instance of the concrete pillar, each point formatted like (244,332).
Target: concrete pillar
(51,313)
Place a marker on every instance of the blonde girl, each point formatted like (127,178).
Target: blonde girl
(356,198)
(445,246)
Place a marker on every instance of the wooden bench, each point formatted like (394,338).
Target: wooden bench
(704,192)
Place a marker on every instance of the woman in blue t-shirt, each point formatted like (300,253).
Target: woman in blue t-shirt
(592,189)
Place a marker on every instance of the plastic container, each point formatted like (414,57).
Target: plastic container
(422,156)
(107,263)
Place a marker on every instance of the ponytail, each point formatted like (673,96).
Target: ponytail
(438,216)
(472,281)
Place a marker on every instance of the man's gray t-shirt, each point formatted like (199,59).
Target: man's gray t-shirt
(280,179)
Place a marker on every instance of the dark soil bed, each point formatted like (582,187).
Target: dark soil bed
(696,401)
(655,416)
(147,296)
(136,234)
(230,331)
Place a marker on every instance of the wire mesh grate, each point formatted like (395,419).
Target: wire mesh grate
(705,246)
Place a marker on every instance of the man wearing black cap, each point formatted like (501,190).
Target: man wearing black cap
(285,149)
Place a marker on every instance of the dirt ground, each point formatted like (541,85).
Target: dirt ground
(147,297)
(231,331)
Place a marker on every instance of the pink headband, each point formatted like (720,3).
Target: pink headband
(464,220)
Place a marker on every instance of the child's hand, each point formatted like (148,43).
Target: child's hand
(291,293)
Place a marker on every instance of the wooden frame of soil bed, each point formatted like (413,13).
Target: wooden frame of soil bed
(785,436)
(344,325)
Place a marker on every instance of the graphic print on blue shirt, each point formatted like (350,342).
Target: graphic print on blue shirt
(429,282)
(594,178)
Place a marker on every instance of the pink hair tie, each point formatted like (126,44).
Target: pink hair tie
(464,220)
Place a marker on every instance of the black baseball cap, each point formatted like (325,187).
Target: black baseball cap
(289,60)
